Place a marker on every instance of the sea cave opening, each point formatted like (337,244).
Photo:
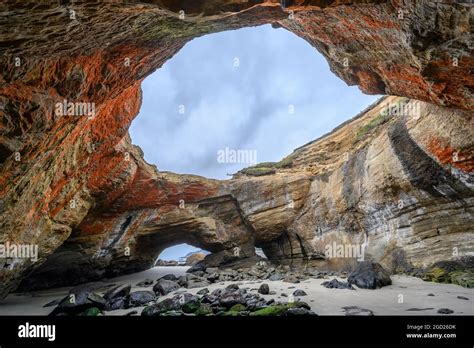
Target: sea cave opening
(180,255)
(230,100)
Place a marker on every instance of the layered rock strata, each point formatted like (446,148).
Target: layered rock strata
(78,189)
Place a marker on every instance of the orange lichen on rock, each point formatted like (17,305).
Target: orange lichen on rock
(147,192)
(115,45)
(460,159)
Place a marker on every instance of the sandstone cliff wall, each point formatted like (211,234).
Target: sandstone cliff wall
(77,188)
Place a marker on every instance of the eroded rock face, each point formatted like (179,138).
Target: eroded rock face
(79,189)
(191,260)
(411,207)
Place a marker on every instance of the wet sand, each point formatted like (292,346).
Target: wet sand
(323,301)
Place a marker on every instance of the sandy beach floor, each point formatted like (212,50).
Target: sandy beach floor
(406,296)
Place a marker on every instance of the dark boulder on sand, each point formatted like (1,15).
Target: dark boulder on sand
(369,275)
(164,287)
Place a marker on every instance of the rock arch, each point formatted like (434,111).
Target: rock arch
(78,181)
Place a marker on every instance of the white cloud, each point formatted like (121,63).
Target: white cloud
(243,107)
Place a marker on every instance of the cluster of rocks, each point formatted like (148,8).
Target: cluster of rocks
(367,275)
(82,299)
(89,303)
(229,301)
(120,297)
(260,271)
(167,263)
(82,303)
(459,272)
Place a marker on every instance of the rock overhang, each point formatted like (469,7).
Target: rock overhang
(80,180)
